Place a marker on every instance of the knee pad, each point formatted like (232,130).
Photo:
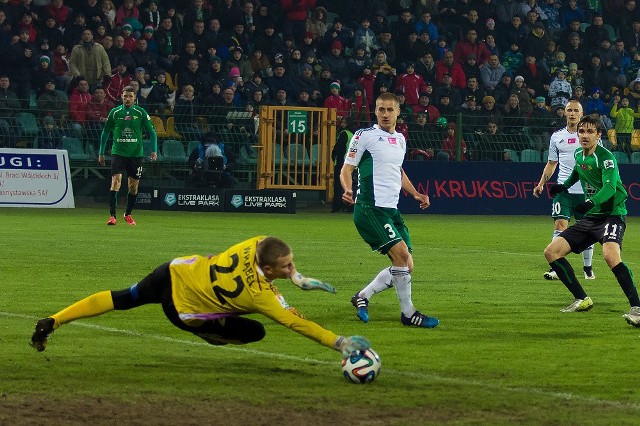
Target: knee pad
(126,299)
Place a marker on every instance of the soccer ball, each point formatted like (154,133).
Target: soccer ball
(361,366)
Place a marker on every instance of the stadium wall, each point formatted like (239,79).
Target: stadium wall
(480,188)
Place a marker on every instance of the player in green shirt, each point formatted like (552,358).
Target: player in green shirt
(126,122)
(604,222)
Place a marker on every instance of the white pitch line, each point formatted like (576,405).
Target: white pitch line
(423,376)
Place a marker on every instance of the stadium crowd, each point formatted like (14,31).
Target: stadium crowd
(502,70)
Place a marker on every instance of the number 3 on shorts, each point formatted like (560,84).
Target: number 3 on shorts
(390,231)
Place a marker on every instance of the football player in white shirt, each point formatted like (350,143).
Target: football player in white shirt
(562,146)
(378,153)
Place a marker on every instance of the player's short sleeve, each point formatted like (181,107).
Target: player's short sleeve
(356,149)
(553,148)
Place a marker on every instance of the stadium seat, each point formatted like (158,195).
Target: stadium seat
(393,18)
(173,151)
(170,82)
(32,100)
(442,156)
(611,135)
(191,146)
(635,140)
(74,148)
(158,124)
(147,149)
(27,125)
(612,32)
(513,155)
(607,144)
(331,16)
(621,157)
(171,129)
(545,156)
(248,155)
(529,156)
(90,150)
(63,94)
(298,153)
(279,154)
(635,158)
(314,155)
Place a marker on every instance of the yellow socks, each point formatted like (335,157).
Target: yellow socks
(94,305)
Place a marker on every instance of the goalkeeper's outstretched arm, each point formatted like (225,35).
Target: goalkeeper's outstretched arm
(306,283)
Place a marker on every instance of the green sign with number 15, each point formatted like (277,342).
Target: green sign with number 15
(297,121)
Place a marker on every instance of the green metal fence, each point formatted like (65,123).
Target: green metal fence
(478,137)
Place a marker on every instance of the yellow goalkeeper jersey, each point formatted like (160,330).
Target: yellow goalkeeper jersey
(231,283)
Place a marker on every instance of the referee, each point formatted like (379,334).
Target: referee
(126,122)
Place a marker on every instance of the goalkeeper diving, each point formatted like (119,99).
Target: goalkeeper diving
(207,296)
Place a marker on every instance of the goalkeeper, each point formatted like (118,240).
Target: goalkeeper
(207,296)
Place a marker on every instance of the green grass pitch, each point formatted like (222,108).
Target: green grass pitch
(504,353)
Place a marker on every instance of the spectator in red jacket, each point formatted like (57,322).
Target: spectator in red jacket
(97,112)
(449,144)
(335,100)
(360,108)
(60,67)
(470,44)
(118,81)
(78,101)
(129,39)
(295,12)
(58,11)
(367,81)
(447,65)
(411,85)
(424,106)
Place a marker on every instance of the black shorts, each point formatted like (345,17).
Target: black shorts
(156,288)
(131,165)
(592,230)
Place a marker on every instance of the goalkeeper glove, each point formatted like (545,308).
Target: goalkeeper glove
(556,189)
(311,283)
(346,345)
(582,208)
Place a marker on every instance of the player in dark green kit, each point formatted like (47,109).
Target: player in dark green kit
(604,222)
(126,122)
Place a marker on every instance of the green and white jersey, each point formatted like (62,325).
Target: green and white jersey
(378,155)
(600,178)
(562,148)
(127,125)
